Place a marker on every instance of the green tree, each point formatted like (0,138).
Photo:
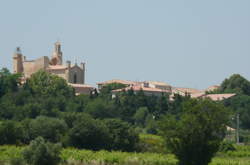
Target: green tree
(196,136)
(140,116)
(122,135)
(8,82)
(40,152)
(240,104)
(235,84)
(89,133)
(51,129)
(11,132)
(101,108)
(45,84)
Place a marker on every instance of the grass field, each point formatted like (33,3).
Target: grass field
(85,157)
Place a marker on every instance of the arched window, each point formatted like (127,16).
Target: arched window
(75,78)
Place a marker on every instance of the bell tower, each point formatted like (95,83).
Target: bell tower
(18,61)
(57,53)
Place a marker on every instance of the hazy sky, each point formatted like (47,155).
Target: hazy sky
(186,43)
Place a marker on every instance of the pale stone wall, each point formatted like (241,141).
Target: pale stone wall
(61,73)
(17,63)
(41,63)
(78,72)
(83,90)
(30,67)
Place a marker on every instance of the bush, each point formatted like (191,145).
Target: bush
(122,135)
(16,161)
(49,128)
(89,133)
(152,143)
(226,146)
(11,132)
(195,136)
(40,152)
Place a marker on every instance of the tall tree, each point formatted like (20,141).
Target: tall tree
(195,137)
(45,84)
(8,82)
(237,84)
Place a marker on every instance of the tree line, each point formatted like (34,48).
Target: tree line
(45,106)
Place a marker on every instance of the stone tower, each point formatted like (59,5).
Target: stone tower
(18,61)
(57,54)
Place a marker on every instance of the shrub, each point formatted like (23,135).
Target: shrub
(195,136)
(226,146)
(122,135)
(10,132)
(89,133)
(40,152)
(16,161)
(49,128)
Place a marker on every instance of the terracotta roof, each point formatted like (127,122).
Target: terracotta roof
(197,95)
(80,85)
(186,90)
(126,82)
(212,88)
(157,83)
(219,97)
(138,88)
(57,67)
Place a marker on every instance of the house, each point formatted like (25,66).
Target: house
(148,91)
(124,82)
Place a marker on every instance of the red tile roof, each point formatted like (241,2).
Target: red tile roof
(186,90)
(138,88)
(219,97)
(212,88)
(126,82)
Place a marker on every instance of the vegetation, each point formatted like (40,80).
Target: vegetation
(195,136)
(40,152)
(240,156)
(45,111)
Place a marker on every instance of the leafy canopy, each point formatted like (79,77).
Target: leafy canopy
(45,84)
(194,136)
(235,84)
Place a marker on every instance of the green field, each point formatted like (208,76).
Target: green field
(86,157)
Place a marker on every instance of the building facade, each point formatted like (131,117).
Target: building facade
(73,74)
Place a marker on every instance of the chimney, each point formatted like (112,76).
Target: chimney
(68,64)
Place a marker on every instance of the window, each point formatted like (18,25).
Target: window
(75,78)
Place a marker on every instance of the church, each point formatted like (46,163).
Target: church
(74,74)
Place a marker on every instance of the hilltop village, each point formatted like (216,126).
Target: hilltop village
(47,102)
(74,74)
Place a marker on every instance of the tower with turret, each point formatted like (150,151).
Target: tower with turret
(57,58)
(18,61)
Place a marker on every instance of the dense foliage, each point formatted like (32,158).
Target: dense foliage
(45,106)
(236,84)
(71,156)
(40,152)
(195,136)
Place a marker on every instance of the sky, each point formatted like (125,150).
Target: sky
(194,43)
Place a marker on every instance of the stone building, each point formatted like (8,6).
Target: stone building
(73,74)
